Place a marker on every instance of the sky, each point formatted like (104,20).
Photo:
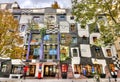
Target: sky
(39,3)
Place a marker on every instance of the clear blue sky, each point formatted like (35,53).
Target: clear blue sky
(39,3)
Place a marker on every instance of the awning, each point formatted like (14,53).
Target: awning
(17,62)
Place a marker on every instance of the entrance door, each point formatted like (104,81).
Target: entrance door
(32,70)
(49,70)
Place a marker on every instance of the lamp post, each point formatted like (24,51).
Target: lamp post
(96,76)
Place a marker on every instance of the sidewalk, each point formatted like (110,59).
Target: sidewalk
(56,80)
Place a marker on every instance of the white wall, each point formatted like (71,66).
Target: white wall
(85,50)
(69,20)
(83,32)
(25,18)
(64,27)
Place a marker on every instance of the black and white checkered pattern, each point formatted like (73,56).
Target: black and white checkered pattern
(52,30)
(116,61)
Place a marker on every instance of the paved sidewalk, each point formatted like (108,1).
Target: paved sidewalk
(56,80)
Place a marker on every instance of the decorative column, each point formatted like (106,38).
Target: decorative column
(58,48)
(28,49)
(41,49)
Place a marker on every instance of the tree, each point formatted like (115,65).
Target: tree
(55,5)
(93,10)
(10,41)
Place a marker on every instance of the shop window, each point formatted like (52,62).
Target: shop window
(75,53)
(64,68)
(94,39)
(32,70)
(109,54)
(77,69)
(112,67)
(98,68)
(17,69)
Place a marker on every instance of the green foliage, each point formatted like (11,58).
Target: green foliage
(88,11)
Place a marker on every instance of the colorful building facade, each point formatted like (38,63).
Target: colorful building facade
(65,43)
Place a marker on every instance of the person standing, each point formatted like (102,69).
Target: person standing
(24,71)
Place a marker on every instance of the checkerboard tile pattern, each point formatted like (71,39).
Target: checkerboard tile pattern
(52,30)
(116,61)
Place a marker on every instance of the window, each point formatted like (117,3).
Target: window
(51,17)
(64,68)
(97,50)
(72,18)
(45,47)
(108,52)
(62,16)
(75,53)
(94,39)
(83,26)
(84,39)
(16,17)
(22,29)
(74,40)
(45,56)
(72,27)
(36,19)
(100,17)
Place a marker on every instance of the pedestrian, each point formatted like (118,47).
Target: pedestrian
(24,72)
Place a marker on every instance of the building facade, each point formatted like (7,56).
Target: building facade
(65,43)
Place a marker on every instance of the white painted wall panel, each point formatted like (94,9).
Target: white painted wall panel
(85,50)
(64,27)
(25,18)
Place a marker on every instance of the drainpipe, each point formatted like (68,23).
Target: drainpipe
(41,49)
(28,49)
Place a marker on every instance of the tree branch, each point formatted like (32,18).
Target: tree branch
(110,12)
